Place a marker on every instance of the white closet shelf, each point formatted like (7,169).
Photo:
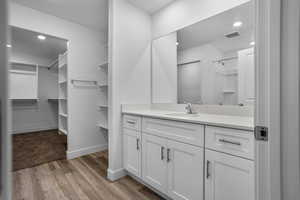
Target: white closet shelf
(103,106)
(63,114)
(228,91)
(63,131)
(23,72)
(63,82)
(103,126)
(102,85)
(63,65)
(53,100)
(230,73)
(103,65)
(26,99)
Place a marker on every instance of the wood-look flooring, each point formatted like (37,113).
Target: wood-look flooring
(32,149)
(82,178)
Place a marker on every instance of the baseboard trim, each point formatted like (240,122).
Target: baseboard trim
(86,151)
(33,130)
(138,179)
(114,175)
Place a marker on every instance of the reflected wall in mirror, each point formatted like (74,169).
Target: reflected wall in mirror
(210,62)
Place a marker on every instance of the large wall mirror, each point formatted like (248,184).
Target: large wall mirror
(210,62)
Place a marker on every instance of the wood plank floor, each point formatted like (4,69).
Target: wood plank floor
(83,178)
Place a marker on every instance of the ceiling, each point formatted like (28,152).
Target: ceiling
(90,13)
(212,30)
(26,42)
(151,6)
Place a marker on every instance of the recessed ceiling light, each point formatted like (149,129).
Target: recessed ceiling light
(237,24)
(41,37)
(252,43)
(8,45)
(177,43)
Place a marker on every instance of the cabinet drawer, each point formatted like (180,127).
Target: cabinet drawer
(132,122)
(180,131)
(235,142)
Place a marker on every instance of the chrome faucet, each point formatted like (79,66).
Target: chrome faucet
(188,108)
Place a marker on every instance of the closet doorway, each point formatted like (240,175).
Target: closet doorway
(39,91)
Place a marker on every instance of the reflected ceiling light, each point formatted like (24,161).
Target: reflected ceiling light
(252,43)
(237,24)
(177,43)
(8,45)
(41,37)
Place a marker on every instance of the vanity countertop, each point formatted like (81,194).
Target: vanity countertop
(228,121)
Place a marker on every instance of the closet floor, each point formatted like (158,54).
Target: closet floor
(82,178)
(32,149)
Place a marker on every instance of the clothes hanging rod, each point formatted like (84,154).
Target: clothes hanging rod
(225,59)
(187,63)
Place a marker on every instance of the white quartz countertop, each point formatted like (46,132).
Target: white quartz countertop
(228,121)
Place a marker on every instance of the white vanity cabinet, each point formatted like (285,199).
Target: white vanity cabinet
(154,165)
(228,177)
(172,158)
(188,161)
(173,168)
(229,165)
(185,171)
(132,151)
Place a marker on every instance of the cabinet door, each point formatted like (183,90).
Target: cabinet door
(185,171)
(132,151)
(154,163)
(228,177)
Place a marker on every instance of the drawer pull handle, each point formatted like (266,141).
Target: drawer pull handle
(131,122)
(168,155)
(230,142)
(162,149)
(137,144)
(207,169)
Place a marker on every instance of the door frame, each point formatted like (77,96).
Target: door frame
(5,119)
(267,108)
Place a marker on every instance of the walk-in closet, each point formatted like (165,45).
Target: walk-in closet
(39,94)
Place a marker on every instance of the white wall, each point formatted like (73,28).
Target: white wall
(164,69)
(182,13)
(129,58)
(209,75)
(85,52)
(41,115)
(24,57)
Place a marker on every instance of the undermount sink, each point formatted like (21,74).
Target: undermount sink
(183,115)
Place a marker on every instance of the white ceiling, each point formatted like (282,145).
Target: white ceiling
(212,30)
(90,13)
(151,6)
(26,42)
